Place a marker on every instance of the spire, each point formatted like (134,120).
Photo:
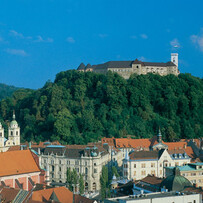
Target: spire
(14,117)
(159,136)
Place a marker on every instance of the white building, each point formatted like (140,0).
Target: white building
(127,68)
(138,164)
(85,159)
(166,197)
(13,136)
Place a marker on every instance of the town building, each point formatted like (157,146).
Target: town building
(127,145)
(87,160)
(13,136)
(192,171)
(58,194)
(167,197)
(127,68)
(19,169)
(138,164)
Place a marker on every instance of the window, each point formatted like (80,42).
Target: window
(95,170)
(143,165)
(59,161)
(59,168)
(45,161)
(125,173)
(86,170)
(94,186)
(52,168)
(125,165)
(160,172)
(176,163)
(95,164)
(11,132)
(76,162)
(16,132)
(0,134)
(52,161)
(152,165)
(143,173)
(134,165)
(134,173)
(153,172)
(77,170)
(68,162)
(160,165)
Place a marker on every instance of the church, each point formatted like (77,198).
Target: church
(127,68)
(13,136)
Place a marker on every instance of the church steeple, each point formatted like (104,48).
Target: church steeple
(159,136)
(14,131)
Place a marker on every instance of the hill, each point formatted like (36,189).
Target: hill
(6,90)
(83,107)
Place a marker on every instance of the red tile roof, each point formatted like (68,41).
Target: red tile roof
(153,180)
(8,194)
(63,194)
(17,162)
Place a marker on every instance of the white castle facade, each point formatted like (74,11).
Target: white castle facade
(127,68)
(13,135)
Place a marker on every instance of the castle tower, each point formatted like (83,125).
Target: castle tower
(14,131)
(174,58)
(1,136)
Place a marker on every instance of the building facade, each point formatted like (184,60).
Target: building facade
(192,171)
(127,68)
(19,169)
(138,165)
(13,136)
(87,160)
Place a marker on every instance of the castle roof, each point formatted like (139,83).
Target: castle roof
(17,162)
(128,64)
(81,66)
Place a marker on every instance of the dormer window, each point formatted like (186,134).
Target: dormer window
(137,66)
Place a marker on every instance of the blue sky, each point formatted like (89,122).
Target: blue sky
(39,38)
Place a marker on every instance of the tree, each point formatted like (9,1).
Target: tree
(104,182)
(81,184)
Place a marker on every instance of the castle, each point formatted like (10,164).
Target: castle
(13,136)
(126,68)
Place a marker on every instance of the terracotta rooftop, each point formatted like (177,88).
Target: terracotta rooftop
(176,145)
(153,180)
(8,194)
(132,143)
(17,162)
(63,194)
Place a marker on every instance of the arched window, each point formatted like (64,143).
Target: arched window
(94,186)
(86,171)
(86,186)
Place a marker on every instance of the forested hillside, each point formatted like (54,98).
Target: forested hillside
(6,90)
(82,107)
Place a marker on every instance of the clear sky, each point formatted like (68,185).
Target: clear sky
(39,38)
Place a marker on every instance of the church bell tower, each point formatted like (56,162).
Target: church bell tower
(14,131)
